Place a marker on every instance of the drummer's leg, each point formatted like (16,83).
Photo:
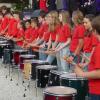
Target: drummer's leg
(64,64)
(86,67)
(50,59)
(58,60)
(94,97)
(42,56)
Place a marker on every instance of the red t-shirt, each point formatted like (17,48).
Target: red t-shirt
(64,33)
(89,43)
(42,29)
(55,32)
(34,34)
(46,36)
(14,30)
(94,84)
(5,22)
(10,26)
(20,34)
(28,33)
(0,21)
(43,5)
(78,33)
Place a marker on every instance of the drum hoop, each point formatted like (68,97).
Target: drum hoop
(27,56)
(35,61)
(56,72)
(39,67)
(59,95)
(69,78)
(15,50)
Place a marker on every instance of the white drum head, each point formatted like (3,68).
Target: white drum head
(60,91)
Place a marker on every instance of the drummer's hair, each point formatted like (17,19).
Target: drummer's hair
(96,24)
(35,20)
(22,24)
(1,14)
(27,21)
(42,14)
(79,16)
(89,16)
(4,8)
(65,16)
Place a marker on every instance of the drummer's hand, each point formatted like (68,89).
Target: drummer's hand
(42,46)
(69,59)
(79,72)
(81,65)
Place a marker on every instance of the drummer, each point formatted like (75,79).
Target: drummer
(20,36)
(33,32)
(93,74)
(78,31)
(54,26)
(27,33)
(1,17)
(63,40)
(90,40)
(4,24)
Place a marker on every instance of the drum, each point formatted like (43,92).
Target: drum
(7,57)
(54,77)
(16,54)
(79,83)
(25,57)
(42,76)
(3,41)
(32,64)
(59,93)
(2,47)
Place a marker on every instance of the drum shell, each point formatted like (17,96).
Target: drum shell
(22,61)
(49,97)
(16,56)
(54,78)
(33,71)
(2,47)
(59,93)
(7,57)
(80,84)
(43,76)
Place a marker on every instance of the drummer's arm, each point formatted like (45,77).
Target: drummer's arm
(3,31)
(18,39)
(49,43)
(91,75)
(55,43)
(65,44)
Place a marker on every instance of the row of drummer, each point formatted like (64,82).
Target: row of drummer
(54,35)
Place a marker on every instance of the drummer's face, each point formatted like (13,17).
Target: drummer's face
(40,19)
(27,24)
(87,24)
(60,17)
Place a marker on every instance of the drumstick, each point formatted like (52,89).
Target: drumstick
(87,58)
(53,54)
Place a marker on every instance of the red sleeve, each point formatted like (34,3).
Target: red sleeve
(67,31)
(58,27)
(94,40)
(81,31)
(14,29)
(97,58)
(20,33)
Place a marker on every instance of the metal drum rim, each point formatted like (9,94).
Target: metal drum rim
(57,73)
(40,67)
(54,94)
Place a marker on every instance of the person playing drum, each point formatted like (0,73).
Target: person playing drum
(93,74)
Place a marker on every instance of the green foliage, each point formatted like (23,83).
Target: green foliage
(19,6)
